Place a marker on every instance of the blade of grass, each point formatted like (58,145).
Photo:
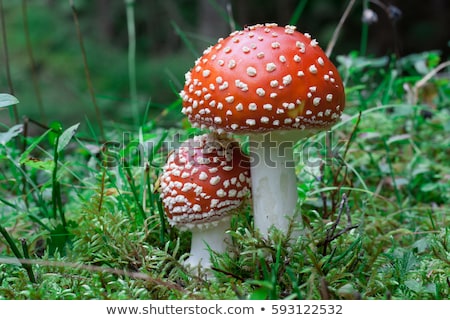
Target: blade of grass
(391,172)
(86,70)
(34,78)
(6,63)
(17,253)
(185,39)
(298,12)
(26,255)
(129,4)
(338,29)
(56,187)
(134,190)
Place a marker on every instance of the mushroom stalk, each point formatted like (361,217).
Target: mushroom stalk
(274,183)
(206,239)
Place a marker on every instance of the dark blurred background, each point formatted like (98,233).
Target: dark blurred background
(170,35)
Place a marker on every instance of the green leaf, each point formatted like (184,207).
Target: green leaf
(413,285)
(66,136)
(56,129)
(14,131)
(7,100)
(47,165)
(260,294)
(25,155)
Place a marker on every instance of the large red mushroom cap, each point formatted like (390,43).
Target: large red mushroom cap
(263,78)
(204,181)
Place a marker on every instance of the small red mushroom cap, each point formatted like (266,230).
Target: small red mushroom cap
(204,181)
(263,78)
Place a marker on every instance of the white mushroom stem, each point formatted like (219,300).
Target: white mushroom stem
(212,237)
(274,183)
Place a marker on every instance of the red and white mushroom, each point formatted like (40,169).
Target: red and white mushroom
(266,79)
(202,183)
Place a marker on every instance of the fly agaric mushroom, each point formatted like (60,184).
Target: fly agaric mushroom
(202,183)
(266,79)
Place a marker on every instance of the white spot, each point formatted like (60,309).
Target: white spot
(308,112)
(252,106)
(260,92)
(196,208)
(265,120)
(220,62)
(250,122)
(227,50)
(273,95)
(229,99)
(274,83)
(316,101)
(301,46)
(276,122)
(245,49)
(221,193)
(187,186)
(203,176)
(329,97)
(282,58)
(239,107)
(218,120)
(223,86)
(300,73)
(219,80)
(260,55)
(231,63)
(271,66)
(251,71)
(214,180)
(267,106)
(314,43)
(275,44)
(320,61)
(206,73)
(234,126)
(287,79)
(297,58)
(313,69)
(229,113)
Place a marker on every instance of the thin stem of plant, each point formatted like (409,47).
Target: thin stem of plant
(338,29)
(132,59)
(6,63)
(86,70)
(34,78)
